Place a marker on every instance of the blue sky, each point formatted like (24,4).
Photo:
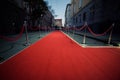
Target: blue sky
(59,7)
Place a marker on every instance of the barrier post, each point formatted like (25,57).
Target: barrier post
(110,36)
(73,31)
(67,28)
(84,37)
(26,34)
(39,30)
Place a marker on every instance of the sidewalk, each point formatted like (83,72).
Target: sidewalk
(115,41)
(8,49)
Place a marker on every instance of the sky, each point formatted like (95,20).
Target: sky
(59,7)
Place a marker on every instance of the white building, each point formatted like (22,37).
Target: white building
(68,15)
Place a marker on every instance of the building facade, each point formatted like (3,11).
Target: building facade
(47,19)
(12,16)
(58,22)
(67,16)
(15,12)
(98,14)
(74,10)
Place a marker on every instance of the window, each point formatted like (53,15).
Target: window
(92,12)
(84,16)
(80,3)
(76,20)
(75,6)
(80,18)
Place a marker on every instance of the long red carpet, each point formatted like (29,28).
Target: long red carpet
(56,57)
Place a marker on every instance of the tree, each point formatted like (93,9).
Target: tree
(37,8)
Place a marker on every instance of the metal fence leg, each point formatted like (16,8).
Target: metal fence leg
(110,36)
(26,34)
(39,31)
(84,38)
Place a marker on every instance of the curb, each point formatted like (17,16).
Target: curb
(105,41)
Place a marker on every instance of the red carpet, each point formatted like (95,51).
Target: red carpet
(56,57)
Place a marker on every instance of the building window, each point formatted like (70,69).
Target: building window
(84,16)
(75,6)
(80,3)
(76,20)
(92,12)
(80,18)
